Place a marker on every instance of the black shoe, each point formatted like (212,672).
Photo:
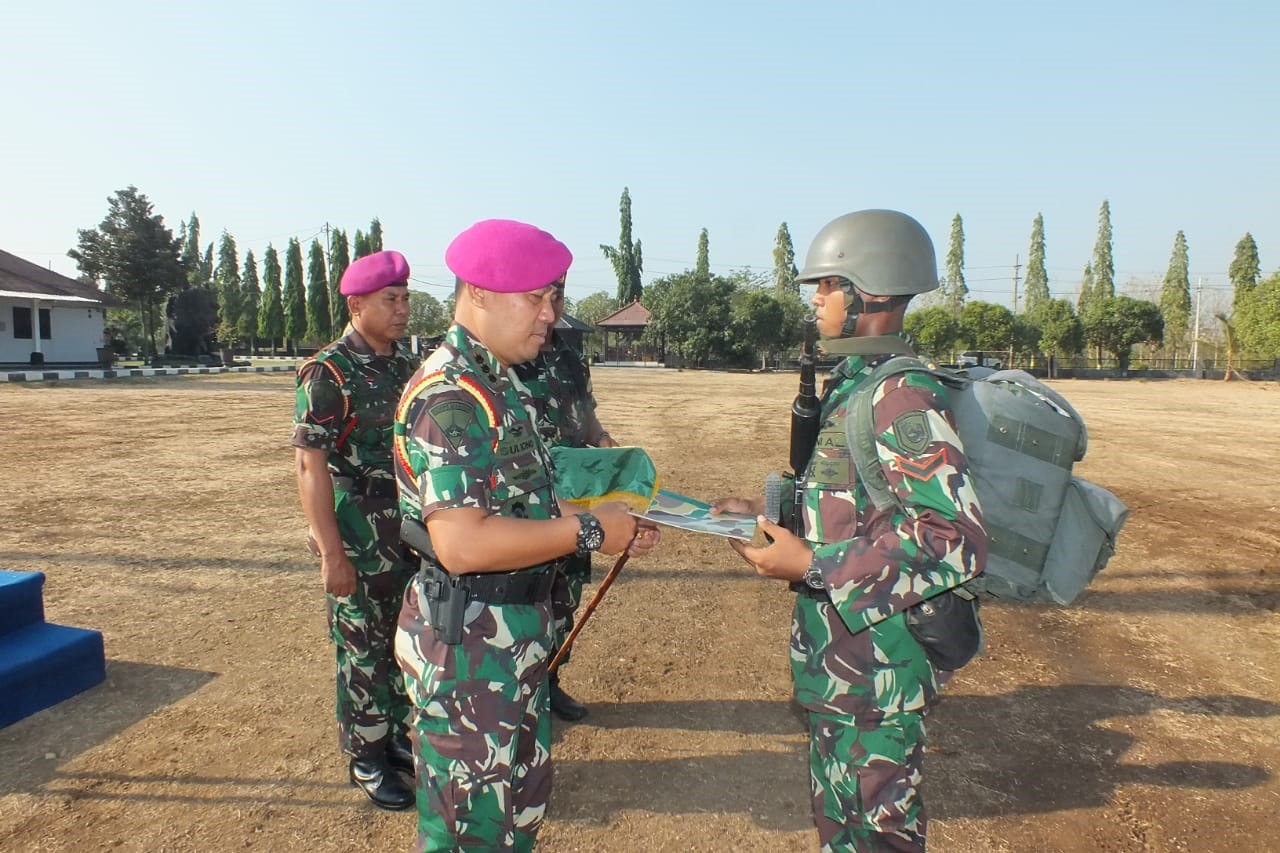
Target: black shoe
(381,784)
(400,755)
(565,706)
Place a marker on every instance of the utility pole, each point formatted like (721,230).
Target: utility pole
(1195,334)
(328,262)
(1016,266)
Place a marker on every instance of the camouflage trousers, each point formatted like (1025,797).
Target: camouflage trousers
(371,703)
(866,783)
(566,595)
(481,724)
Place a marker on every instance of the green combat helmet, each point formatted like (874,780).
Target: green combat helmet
(881,252)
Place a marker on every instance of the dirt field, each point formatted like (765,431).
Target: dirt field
(1147,718)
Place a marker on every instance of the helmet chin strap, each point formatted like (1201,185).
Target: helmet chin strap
(857,305)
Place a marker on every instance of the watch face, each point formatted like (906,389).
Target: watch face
(813,579)
(590,533)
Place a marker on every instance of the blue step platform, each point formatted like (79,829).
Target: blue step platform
(40,664)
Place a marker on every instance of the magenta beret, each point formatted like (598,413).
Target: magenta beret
(374,272)
(507,256)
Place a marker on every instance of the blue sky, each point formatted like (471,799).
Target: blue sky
(270,120)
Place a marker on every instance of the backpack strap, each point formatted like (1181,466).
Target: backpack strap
(860,429)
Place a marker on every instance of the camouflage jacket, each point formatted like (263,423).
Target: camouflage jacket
(345,404)
(563,400)
(464,437)
(851,651)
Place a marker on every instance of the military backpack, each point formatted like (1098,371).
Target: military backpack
(1048,532)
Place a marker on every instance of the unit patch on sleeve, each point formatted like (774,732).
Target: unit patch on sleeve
(912,432)
(453,417)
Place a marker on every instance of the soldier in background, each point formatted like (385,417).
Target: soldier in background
(345,408)
(475,633)
(864,680)
(560,384)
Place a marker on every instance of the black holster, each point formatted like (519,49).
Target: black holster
(947,627)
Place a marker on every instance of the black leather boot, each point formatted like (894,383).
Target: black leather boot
(563,705)
(381,784)
(400,754)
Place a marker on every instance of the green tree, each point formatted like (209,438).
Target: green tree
(191,260)
(206,268)
(591,310)
(784,263)
(1037,286)
(1118,323)
(360,246)
(956,289)
(986,326)
(318,329)
(295,305)
(626,258)
(702,266)
(426,315)
(1086,289)
(1245,270)
(1061,334)
(1257,320)
(1104,268)
(250,302)
(692,316)
(933,330)
(271,312)
(227,278)
(1175,297)
(339,260)
(134,256)
(375,236)
(757,325)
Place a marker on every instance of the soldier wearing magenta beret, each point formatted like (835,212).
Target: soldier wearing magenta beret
(475,632)
(346,399)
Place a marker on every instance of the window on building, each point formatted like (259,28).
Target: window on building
(22,324)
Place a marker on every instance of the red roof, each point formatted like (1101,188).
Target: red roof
(633,316)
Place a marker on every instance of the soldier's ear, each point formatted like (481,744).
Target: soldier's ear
(479,296)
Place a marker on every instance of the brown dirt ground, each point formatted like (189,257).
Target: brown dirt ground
(1146,718)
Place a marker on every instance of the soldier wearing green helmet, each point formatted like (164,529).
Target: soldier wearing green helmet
(858,671)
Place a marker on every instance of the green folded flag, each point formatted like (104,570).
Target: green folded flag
(589,476)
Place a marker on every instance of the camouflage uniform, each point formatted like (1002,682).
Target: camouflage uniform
(345,404)
(481,708)
(856,668)
(559,383)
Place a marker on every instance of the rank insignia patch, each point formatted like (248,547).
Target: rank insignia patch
(453,417)
(911,430)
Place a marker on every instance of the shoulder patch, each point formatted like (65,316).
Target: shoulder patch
(912,431)
(453,417)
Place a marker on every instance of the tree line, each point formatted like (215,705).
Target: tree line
(202,297)
(746,317)
(204,300)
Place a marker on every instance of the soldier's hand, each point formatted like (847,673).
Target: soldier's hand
(786,559)
(742,506)
(339,575)
(648,535)
(619,526)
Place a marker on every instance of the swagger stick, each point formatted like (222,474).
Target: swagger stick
(586,614)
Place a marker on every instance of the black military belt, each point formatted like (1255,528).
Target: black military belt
(367,486)
(527,586)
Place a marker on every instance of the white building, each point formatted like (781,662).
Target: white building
(47,318)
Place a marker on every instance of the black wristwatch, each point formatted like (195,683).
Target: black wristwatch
(590,534)
(813,578)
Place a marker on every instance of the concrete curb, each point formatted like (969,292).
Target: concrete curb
(134,372)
